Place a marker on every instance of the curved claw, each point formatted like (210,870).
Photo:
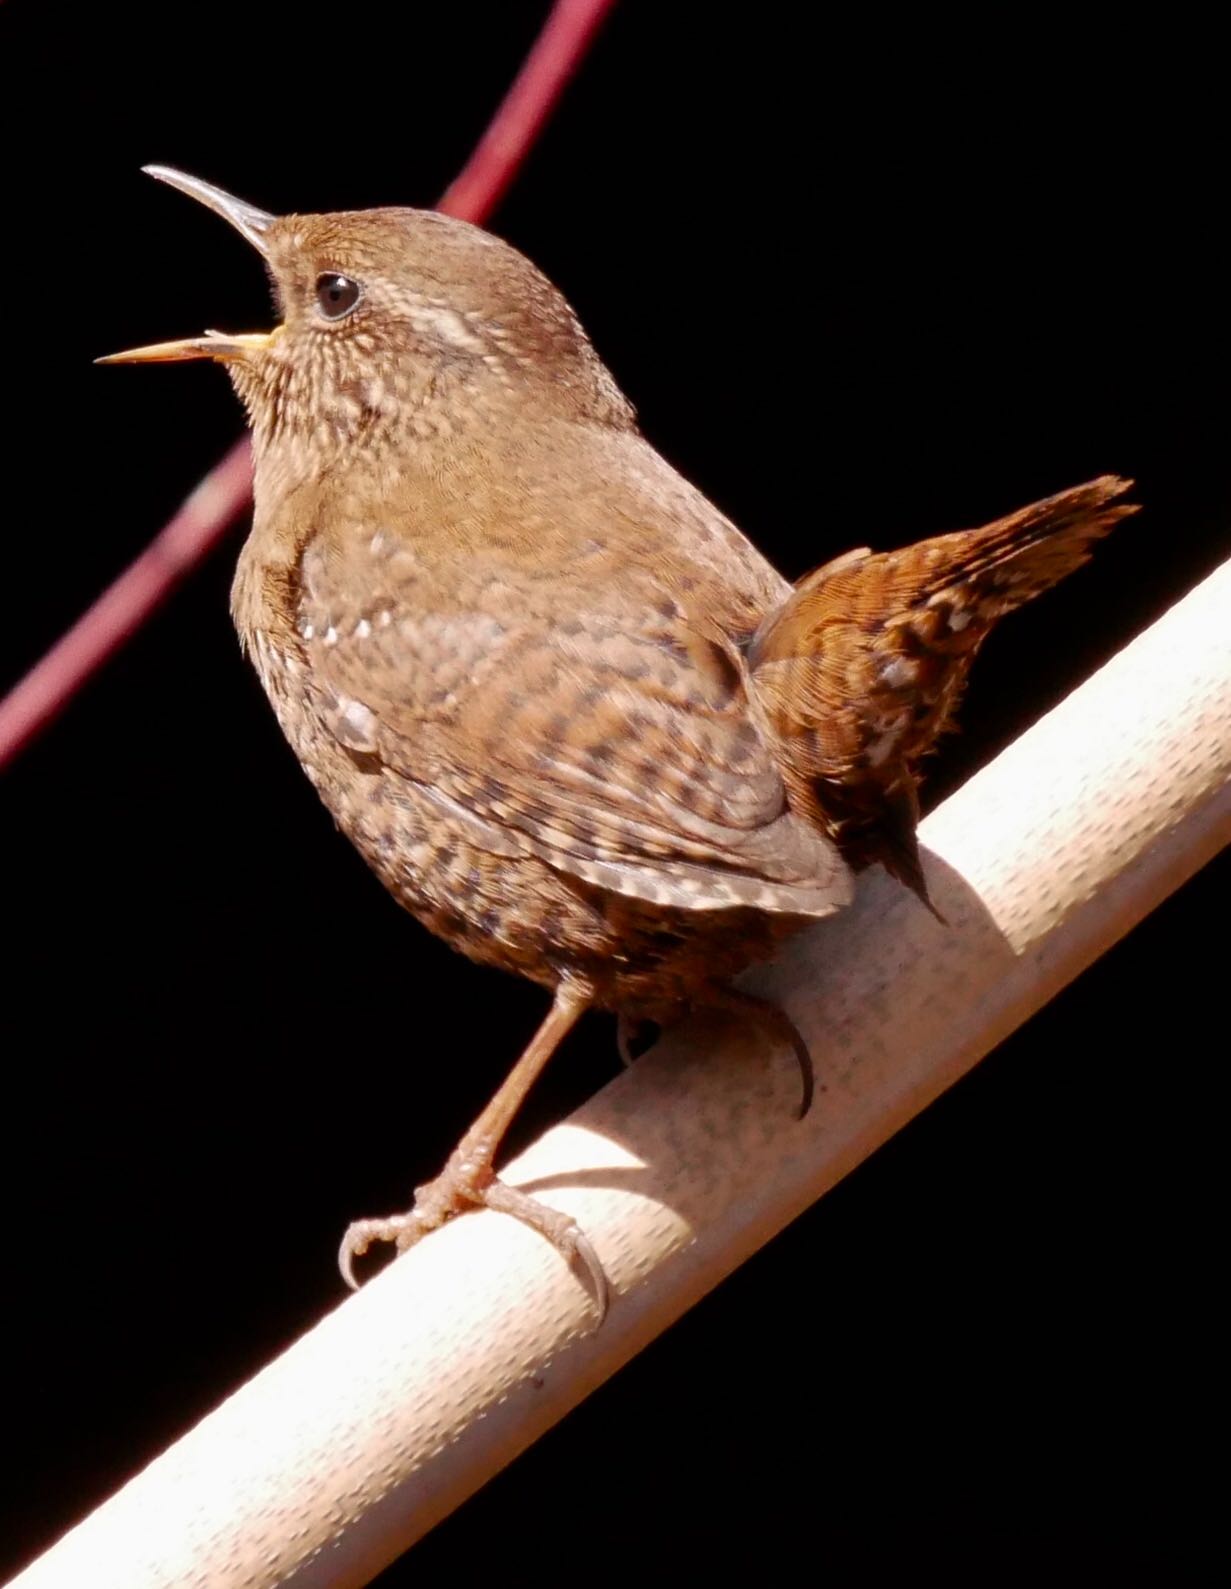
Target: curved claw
(806,1073)
(347,1253)
(779,1024)
(562,1231)
(600,1290)
(358,1238)
(402,1229)
(631,1031)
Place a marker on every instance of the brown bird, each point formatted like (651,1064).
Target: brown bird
(571,718)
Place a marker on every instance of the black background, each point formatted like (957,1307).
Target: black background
(863,284)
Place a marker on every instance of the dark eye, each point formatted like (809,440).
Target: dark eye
(336,295)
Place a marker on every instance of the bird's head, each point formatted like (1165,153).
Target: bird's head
(396,324)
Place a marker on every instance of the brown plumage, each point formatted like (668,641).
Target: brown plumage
(572,719)
(862,668)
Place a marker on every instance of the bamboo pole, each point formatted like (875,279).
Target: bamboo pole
(403,1401)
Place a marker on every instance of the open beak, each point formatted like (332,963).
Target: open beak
(213,345)
(252,224)
(245,218)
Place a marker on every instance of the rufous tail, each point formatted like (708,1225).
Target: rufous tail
(862,667)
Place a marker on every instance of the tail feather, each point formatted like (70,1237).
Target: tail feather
(862,667)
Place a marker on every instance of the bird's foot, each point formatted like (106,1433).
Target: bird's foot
(467,1182)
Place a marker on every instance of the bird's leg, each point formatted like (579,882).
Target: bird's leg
(468,1179)
(773,1020)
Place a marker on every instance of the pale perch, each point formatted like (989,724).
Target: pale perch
(411,1394)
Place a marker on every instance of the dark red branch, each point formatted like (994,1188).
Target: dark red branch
(554,57)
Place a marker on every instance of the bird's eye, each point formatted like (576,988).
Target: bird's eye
(336,295)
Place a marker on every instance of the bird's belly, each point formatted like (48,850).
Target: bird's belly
(514,911)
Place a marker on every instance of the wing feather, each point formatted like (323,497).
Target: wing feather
(616,743)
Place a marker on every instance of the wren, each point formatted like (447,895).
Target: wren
(572,719)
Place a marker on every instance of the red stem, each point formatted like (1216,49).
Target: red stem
(226,491)
(553,58)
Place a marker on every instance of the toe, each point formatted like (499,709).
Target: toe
(401,1229)
(355,1243)
(583,1253)
(565,1235)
